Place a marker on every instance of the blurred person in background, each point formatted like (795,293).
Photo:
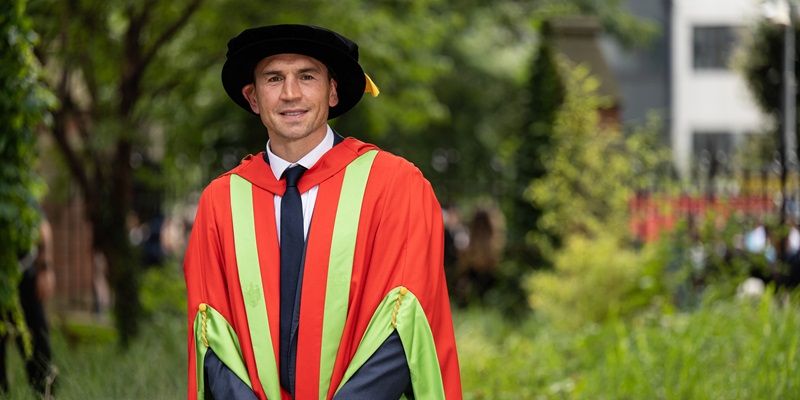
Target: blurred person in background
(348,304)
(481,257)
(36,287)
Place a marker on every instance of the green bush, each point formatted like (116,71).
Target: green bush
(722,350)
(592,170)
(593,280)
(163,291)
(77,331)
(23,105)
(705,261)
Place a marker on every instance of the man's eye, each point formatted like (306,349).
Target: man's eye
(274,79)
(307,77)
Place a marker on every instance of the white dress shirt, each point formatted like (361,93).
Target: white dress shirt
(308,198)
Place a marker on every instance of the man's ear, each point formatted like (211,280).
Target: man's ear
(333,97)
(249,93)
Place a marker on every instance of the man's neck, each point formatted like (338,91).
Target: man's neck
(278,164)
(292,151)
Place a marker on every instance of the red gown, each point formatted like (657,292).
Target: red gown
(370,268)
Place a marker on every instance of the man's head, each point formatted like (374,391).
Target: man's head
(292,94)
(338,54)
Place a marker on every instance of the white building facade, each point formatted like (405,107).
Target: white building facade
(711,107)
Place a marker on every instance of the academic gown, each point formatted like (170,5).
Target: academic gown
(372,269)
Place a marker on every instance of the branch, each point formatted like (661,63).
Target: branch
(73,162)
(165,88)
(170,32)
(40,53)
(95,28)
(81,117)
(170,84)
(136,63)
(61,116)
(89,77)
(76,167)
(82,122)
(142,18)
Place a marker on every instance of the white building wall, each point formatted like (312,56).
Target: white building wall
(708,100)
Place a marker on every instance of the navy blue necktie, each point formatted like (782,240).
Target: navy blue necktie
(292,247)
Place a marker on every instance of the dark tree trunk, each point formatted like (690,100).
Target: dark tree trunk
(106,182)
(108,208)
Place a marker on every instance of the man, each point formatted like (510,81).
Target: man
(314,269)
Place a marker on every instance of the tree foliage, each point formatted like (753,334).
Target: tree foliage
(590,176)
(107,61)
(546,93)
(593,280)
(591,171)
(22,107)
(761,61)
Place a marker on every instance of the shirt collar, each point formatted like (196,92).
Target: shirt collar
(278,165)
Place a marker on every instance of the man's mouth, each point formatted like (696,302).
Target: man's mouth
(292,113)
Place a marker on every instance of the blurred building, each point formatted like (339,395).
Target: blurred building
(712,108)
(643,74)
(686,76)
(578,39)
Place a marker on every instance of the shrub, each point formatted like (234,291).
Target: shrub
(594,279)
(163,291)
(721,350)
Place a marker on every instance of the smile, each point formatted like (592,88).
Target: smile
(293,113)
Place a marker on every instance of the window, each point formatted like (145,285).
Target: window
(716,146)
(712,46)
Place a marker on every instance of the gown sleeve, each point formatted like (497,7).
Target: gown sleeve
(205,280)
(423,273)
(411,239)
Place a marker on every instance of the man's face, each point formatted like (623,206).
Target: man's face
(292,93)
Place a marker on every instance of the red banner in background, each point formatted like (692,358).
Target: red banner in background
(653,214)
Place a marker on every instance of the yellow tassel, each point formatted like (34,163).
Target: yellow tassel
(371,87)
(203,319)
(397,303)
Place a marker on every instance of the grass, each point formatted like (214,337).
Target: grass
(154,367)
(725,350)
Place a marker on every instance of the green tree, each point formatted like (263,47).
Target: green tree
(591,173)
(22,107)
(592,170)
(761,62)
(531,242)
(546,94)
(107,60)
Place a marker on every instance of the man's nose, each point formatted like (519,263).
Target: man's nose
(291,88)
